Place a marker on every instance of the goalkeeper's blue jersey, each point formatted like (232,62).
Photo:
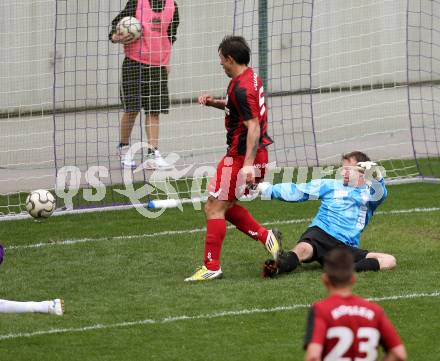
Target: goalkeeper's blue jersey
(344,212)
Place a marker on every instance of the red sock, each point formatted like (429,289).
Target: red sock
(215,234)
(243,220)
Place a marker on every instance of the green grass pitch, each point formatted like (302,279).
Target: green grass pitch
(126,299)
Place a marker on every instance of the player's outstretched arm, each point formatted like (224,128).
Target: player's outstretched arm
(209,101)
(288,192)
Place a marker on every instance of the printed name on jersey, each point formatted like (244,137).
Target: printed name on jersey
(261,101)
(360,311)
(226,105)
(255,81)
(360,224)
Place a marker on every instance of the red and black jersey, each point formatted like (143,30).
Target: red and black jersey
(350,327)
(245,101)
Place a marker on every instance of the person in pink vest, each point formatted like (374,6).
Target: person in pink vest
(145,73)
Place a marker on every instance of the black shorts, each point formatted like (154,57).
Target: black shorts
(144,86)
(323,243)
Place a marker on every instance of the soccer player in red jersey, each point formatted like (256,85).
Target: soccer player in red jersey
(245,161)
(348,327)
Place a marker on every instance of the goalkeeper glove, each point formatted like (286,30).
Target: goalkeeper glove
(264,188)
(371,168)
(270,269)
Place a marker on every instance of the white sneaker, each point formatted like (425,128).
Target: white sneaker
(56,307)
(126,157)
(155,161)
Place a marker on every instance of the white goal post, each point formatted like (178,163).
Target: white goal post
(339,76)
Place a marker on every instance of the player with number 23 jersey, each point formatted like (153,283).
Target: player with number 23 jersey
(350,327)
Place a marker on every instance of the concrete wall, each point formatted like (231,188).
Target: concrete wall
(87,64)
(26,43)
(354,43)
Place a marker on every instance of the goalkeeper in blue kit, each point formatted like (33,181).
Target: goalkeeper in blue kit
(347,206)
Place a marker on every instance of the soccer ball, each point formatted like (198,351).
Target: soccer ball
(129,25)
(40,203)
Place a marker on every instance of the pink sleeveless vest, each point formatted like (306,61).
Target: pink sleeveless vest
(154,46)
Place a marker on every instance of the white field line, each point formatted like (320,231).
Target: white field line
(137,236)
(411,210)
(208,316)
(195,230)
